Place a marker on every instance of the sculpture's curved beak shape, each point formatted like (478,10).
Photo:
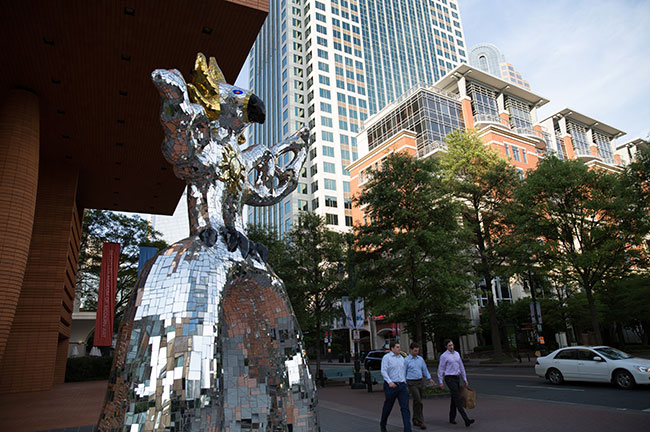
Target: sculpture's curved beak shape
(256,111)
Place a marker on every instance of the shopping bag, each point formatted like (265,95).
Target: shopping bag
(468,396)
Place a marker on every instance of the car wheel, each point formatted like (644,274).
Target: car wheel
(624,379)
(555,376)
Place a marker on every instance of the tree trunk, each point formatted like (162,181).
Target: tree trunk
(418,327)
(646,334)
(619,334)
(318,347)
(592,311)
(319,341)
(494,324)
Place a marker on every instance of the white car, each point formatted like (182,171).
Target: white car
(593,363)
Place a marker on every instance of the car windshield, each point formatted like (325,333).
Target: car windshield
(613,354)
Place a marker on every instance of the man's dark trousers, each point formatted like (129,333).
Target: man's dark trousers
(415,390)
(400,393)
(453,384)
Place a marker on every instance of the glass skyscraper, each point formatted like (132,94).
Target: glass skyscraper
(329,65)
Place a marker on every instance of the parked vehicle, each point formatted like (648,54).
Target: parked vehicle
(594,363)
(373,359)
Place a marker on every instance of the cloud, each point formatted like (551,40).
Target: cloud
(591,56)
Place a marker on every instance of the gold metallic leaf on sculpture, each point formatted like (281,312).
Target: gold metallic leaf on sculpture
(204,89)
(232,172)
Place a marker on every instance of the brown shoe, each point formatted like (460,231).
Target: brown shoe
(422,426)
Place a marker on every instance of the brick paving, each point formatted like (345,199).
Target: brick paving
(74,407)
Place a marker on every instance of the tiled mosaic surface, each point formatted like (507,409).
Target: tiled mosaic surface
(209,341)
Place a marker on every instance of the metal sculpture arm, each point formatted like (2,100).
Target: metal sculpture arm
(270,182)
(186,126)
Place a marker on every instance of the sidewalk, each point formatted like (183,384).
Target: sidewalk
(76,406)
(342,409)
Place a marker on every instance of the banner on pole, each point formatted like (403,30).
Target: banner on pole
(393,328)
(106,297)
(146,253)
(347,310)
(360,314)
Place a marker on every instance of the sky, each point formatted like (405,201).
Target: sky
(592,56)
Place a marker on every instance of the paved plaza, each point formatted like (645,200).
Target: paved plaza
(74,407)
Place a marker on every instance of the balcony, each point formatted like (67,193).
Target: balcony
(430,148)
(526,130)
(487,118)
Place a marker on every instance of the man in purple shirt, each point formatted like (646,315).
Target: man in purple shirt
(452,369)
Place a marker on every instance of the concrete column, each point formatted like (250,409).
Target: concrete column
(533,115)
(501,103)
(19,159)
(462,87)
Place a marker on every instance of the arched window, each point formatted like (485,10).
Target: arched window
(482,62)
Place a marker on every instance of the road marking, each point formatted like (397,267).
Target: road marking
(502,375)
(549,388)
(646,410)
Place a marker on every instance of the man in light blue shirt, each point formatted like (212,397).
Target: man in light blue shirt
(416,373)
(392,369)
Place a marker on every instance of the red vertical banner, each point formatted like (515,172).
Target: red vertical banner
(106,297)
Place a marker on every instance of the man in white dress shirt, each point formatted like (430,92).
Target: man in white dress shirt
(393,370)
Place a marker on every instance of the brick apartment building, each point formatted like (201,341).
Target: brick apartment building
(505,117)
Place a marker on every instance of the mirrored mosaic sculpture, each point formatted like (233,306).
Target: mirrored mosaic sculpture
(209,341)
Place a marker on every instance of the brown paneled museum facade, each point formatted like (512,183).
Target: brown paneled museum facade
(79,129)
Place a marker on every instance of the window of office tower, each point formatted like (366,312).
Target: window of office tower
(484,102)
(520,119)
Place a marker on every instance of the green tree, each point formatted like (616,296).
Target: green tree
(279,257)
(413,252)
(587,225)
(627,304)
(131,232)
(311,275)
(483,183)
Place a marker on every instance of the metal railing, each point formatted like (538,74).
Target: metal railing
(487,118)
(430,147)
(525,130)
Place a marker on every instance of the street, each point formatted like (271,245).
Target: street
(523,383)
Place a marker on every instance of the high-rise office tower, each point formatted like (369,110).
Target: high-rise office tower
(330,64)
(488,58)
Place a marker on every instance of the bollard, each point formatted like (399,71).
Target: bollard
(368,378)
